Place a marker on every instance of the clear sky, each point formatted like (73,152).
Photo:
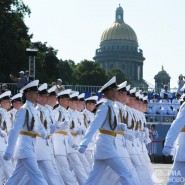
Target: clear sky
(74,28)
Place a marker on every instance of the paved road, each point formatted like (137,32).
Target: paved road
(161,172)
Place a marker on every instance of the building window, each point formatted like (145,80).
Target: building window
(138,72)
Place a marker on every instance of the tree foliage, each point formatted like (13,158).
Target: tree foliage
(89,73)
(14,37)
(120,76)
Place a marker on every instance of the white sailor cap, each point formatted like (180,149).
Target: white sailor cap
(183,88)
(122,86)
(128,88)
(141,97)
(43,89)
(102,100)
(145,99)
(52,91)
(133,91)
(137,94)
(21,72)
(32,86)
(92,99)
(59,80)
(81,97)
(74,96)
(17,97)
(110,84)
(64,94)
(5,96)
(182,98)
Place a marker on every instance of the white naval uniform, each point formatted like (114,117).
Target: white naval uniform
(110,177)
(13,113)
(53,159)
(44,150)
(6,166)
(133,152)
(25,148)
(74,158)
(88,117)
(179,159)
(60,143)
(105,153)
(82,128)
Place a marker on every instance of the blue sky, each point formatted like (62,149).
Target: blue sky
(74,28)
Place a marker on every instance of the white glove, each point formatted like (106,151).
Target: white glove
(64,125)
(137,134)
(79,131)
(122,127)
(3,134)
(166,150)
(57,124)
(75,146)
(42,131)
(129,136)
(70,139)
(146,129)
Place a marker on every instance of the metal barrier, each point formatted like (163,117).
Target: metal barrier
(80,88)
(83,88)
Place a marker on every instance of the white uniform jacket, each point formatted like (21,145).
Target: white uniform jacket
(105,144)
(43,147)
(25,144)
(5,124)
(175,133)
(61,141)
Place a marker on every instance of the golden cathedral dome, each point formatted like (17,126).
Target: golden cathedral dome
(119,30)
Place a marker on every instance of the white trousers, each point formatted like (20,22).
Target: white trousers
(177,175)
(116,164)
(110,177)
(89,156)
(53,160)
(141,169)
(29,166)
(64,169)
(6,166)
(85,163)
(78,168)
(48,172)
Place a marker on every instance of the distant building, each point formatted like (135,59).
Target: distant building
(161,79)
(119,50)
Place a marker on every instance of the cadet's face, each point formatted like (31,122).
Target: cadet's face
(91,106)
(81,105)
(52,100)
(42,99)
(122,96)
(17,104)
(113,93)
(32,96)
(64,102)
(6,104)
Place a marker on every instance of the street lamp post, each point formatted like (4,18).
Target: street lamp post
(32,53)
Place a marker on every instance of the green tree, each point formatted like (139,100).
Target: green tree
(46,62)
(14,37)
(66,68)
(120,76)
(89,73)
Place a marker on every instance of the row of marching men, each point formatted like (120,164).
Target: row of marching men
(43,144)
(120,154)
(48,136)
